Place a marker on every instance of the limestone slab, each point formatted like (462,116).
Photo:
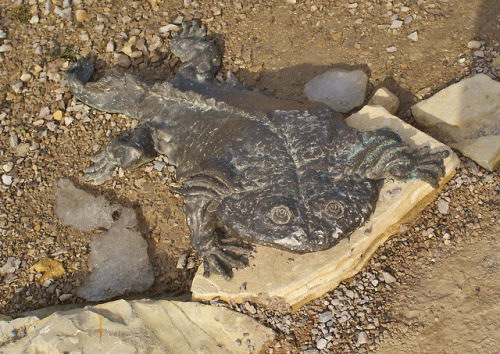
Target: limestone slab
(143,326)
(463,115)
(283,278)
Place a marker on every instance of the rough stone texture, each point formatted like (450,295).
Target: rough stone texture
(385,98)
(297,279)
(143,326)
(466,116)
(118,258)
(339,89)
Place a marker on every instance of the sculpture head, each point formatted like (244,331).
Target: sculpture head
(300,221)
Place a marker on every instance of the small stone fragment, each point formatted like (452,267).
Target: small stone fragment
(385,98)
(17,87)
(325,316)
(339,89)
(25,77)
(7,180)
(110,47)
(474,45)
(396,24)
(443,206)
(321,344)
(169,28)
(388,278)
(362,337)
(22,149)
(10,266)
(391,49)
(413,36)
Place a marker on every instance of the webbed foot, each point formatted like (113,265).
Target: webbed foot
(423,165)
(221,257)
(101,170)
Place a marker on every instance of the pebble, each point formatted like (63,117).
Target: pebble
(110,46)
(325,316)
(169,28)
(321,344)
(474,45)
(388,278)
(10,266)
(17,87)
(479,53)
(25,77)
(391,49)
(5,47)
(34,19)
(362,337)
(396,24)
(443,206)
(413,36)
(408,20)
(8,167)
(3,34)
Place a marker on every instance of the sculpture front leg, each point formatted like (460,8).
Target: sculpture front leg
(127,151)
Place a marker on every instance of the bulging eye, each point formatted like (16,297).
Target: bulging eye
(280,214)
(333,209)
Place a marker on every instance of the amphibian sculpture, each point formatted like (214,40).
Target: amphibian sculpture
(280,173)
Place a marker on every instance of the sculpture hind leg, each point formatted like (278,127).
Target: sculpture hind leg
(201,58)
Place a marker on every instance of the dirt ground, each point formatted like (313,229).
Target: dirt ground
(273,46)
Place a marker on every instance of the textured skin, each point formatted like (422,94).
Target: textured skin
(254,169)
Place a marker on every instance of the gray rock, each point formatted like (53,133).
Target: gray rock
(10,266)
(118,259)
(325,316)
(362,337)
(388,278)
(339,89)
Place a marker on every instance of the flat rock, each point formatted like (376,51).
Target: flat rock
(341,90)
(277,277)
(466,116)
(385,98)
(143,326)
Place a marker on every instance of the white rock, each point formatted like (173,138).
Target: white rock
(25,77)
(391,49)
(5,47)
(413,36)
(321,344)
(388,278)
(385,98)
(339,89)
(3,34)
(169,28)
(118,259)
(110,47)
(7,167)
(17,86)
(34,19)
(7,180)
(465,115)
(443,206)
(362,337)
(408,20)
(396,24)
(474,45)
(143,326)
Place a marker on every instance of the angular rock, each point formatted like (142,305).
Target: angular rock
(385,98)
(119,259)
(466,116)
(341,90)
(277,277)
(137,327)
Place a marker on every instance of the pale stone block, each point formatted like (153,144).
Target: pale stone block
(385,98)
(143,326)
(484,150)
(462,113)
(277,277)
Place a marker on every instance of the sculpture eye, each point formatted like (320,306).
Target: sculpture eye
(333,209)
(280,214)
